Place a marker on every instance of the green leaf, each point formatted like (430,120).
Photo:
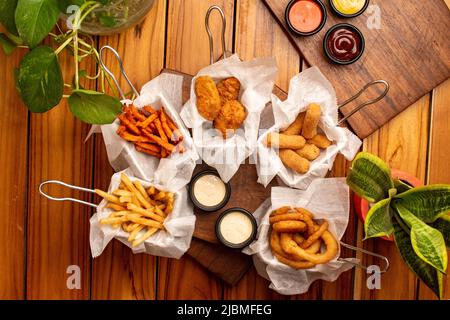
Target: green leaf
(370,177)
(94,107)
(7,15)
(428,243)
(35,19)
(378,221)
(427,203)
(401,186)
(106,21)
(429,275)
(40,79)
(7,44)
(443,225)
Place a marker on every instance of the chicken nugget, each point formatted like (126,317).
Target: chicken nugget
(296,127)
(230,118)
(292,160)
(229,89)
(208,99)
(320,141)
(309,152)
(282,141)
(311,121)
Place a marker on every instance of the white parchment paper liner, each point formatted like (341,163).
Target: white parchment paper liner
(257,79)
(326,199)
(172,242)
(305,88)
(174,171)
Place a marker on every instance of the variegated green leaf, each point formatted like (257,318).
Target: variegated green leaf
(370,177)
(378,221)
(429,275)
(427,242)
(443,225)
(427,203)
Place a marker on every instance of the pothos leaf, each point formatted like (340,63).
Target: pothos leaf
(7,15)
(40,79)
(378,221)
(429,275)
(94,107)
(7,44)
(427,242)
(428,203)
(35,19)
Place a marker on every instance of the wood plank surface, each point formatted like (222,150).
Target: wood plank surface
(14,168)
(404,37)
(438,161)
(118,273)
(403,144)
(188,51)
(58,232)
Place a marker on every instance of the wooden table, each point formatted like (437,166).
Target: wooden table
(41,239)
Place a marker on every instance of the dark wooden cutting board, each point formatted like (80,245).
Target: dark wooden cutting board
(411,51)
(228,264)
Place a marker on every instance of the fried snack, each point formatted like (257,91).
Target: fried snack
(300,249)
(150,130)
(230,118)
(229,89)
(313,248)
(291,247)
(208,99)
(282,141)
(315,236)
(320,141)
(309,152)
(296,127)
(136,210)
(285,258)
(289,226)
(292,160)
(311,121)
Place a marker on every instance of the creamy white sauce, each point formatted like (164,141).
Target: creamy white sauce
(209,190)
(236,227)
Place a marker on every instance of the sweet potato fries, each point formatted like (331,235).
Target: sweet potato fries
(151,131)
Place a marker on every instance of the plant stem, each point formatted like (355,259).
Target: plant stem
(61,47)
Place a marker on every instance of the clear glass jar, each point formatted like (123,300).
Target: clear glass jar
(116,17)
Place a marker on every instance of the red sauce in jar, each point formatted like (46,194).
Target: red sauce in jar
(344,44)
(305,16)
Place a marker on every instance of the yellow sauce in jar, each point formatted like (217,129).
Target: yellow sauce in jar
(349,6)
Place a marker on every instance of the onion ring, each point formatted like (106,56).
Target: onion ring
(287,216)
(315,236)
(289,226)
(285,258)
(282,210)
(313,248)
(291,247)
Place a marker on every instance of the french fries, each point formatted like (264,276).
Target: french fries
(151,131)
(138,211)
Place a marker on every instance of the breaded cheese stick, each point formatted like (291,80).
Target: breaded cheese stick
(320,141)
(309,152)
(296,127)
(282,141)
(292,160)
(311,121)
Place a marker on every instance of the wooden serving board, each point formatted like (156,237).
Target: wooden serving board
(411,51)
(228,264)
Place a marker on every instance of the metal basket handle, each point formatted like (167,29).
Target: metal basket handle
(367,103)
(122,70)
(210,35)
(67,186)
(359,265)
